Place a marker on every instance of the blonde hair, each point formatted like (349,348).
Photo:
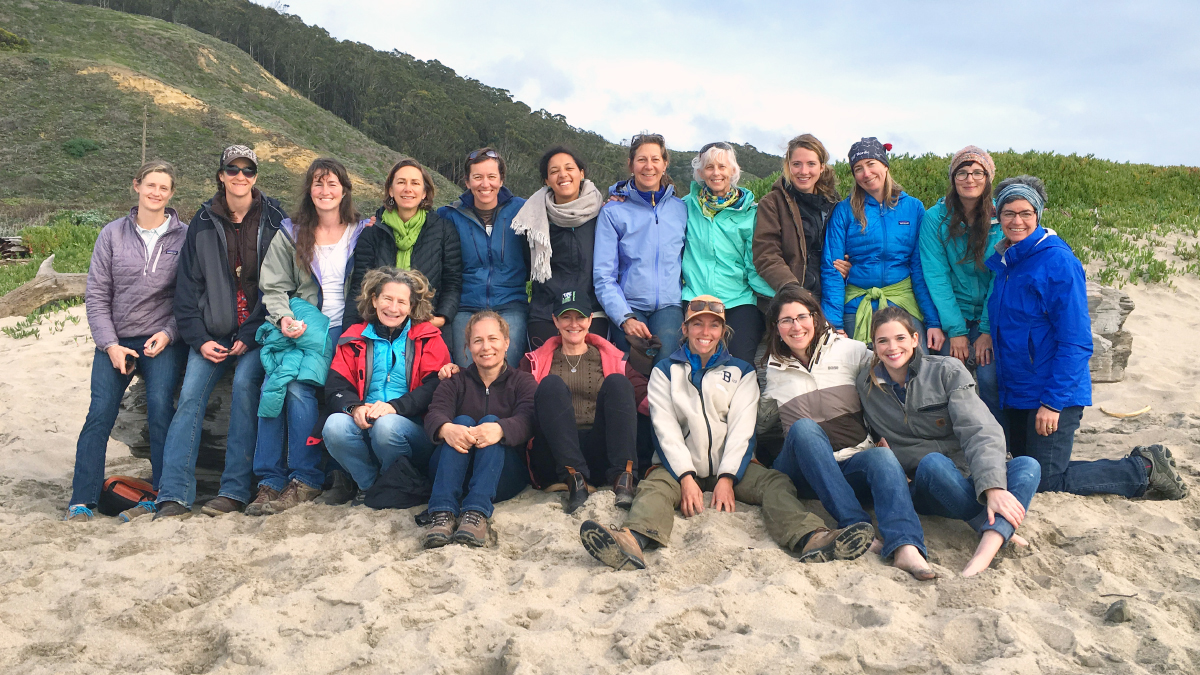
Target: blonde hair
(153,166)
(420,294)
(858,198)
(480,316)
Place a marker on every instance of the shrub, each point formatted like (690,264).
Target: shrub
(79,147)
(12,43)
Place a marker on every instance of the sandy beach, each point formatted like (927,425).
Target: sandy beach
(338,589)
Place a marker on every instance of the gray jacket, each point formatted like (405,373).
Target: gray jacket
(131,291)
(942,413)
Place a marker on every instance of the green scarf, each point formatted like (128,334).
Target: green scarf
(405,233)
(710,203)
(899,294)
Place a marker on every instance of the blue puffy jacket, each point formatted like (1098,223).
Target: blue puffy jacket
(637,260)
(305,359)
(1041,331)
(884,254)
(495,268)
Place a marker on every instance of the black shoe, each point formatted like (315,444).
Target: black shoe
(1165,481)
(623,488)
(171,510)
(360,498)
(577,489)
(341,489)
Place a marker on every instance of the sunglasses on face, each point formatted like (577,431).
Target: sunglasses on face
(486,153)
(719,144)
(247,171)
(706,306)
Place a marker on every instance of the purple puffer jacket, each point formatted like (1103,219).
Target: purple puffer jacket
(131,292)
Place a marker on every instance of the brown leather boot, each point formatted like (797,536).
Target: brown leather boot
(472,529)
(623,487)
(615,547)
(848,543)
(441,531)
(295,493)
(259,505)
(220,506)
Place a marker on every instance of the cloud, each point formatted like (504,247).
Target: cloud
(523,72)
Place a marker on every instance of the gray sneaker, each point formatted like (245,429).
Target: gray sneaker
(1165,481)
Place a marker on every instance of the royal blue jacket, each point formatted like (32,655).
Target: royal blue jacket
(495,268)
(637,260)
(883,254)
(1041,331)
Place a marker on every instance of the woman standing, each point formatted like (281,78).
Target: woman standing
(717,258)
(495,259)
(790,230)
(310,261)
(1043,338)
(559,221)
(877,228)
(130,303)
(639,250)
(409,234)
(957,236)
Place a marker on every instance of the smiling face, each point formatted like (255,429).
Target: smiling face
(326,192)
(871,175)
(795,326)
(648,167)
(393,304)
(718,173)
(154,191)
(970,181)
(564,178)
(804,169)
(704,335)
(239,186)
(894,345)
(407,188)
(484,182)
(487,343)
(573,327)
(1018,218)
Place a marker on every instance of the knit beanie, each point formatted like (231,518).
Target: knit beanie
(869,148)
(976,154)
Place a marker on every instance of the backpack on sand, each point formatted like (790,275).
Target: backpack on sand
(124,492)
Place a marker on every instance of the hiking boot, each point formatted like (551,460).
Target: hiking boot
(259,505)
(623,488)
(220,506)
(577,489)
(142,509)
(1165,481)
(441,530)
(170,510)
(295,493)
(341,489)
(848,543)
(79,513)
(615,547)
(473,529)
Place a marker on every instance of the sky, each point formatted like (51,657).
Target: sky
(1117,80)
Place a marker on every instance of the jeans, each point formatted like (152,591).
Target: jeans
(666,324)
(540,331)
(368,453)
(940,489)
(985,376)
(748,327)
(1126,477)
(496,473)
(183,438)
(161,374)
(599,453)
(517,318)
(869,475)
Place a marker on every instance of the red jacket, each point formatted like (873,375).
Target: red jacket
(350,372)
(613,361)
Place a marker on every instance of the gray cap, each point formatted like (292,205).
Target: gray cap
(238,152)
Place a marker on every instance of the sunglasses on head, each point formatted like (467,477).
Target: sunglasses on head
(706,306)
(719,144)
(247,171)
(486,153)
(649,138)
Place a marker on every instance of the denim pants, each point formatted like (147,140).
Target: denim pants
(666,324)
(940,489)
(871,475)
(517,318)
(1126,477)
(496,473)
(368,453)
(986,379)
(748,328)
(161,374)
(178,482)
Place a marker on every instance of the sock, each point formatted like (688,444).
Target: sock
(803,541)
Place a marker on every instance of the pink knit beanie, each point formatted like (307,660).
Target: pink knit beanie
(972,153)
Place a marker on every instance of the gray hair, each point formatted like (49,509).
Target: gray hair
(420,294)
(709,154)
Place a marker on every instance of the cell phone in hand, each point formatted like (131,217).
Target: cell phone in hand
(130,362)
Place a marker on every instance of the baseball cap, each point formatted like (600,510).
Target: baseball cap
(238,152)
(704,304)
(573,300)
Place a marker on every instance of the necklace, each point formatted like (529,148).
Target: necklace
(575,366)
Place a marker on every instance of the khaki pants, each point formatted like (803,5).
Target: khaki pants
(787,521)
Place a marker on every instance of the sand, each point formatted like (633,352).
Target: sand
(338,589)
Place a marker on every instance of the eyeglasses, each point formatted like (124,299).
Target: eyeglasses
(1013,215)
(962,176)
(789,321)
(247,171)
(706,306)
(486,153)
(719,144)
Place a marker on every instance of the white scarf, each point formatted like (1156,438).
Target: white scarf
(539,211)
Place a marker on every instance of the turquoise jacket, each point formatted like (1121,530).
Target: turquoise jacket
(389,365)
(959,288)
(718,256)
(304,359)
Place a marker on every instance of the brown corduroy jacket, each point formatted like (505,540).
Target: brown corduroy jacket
(782,252)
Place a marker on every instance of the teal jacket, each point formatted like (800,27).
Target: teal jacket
(718,256)
(959,288)
(304,359)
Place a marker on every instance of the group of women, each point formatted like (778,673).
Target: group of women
(907,354)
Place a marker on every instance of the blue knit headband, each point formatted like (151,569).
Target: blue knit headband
(1020,191)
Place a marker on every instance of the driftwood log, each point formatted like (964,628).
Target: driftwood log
(1111,343)
(47,287)
(131,428)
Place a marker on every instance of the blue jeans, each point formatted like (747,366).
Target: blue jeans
(161,374)
(985,376)
(517,318)
(940,489)
(666,324)
(183,438)
(871,475)
(1126,477)
(367,453)
(496,473)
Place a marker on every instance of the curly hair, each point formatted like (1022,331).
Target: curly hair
(420,294)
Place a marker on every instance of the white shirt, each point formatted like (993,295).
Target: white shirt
(151,237)
(331,262)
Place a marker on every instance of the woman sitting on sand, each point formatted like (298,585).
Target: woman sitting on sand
(703,404)
(934,421)
(482,417)
(1043,339)
(827,453)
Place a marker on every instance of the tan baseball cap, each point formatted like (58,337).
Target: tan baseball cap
(704,304)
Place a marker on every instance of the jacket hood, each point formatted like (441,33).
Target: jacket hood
(467,200)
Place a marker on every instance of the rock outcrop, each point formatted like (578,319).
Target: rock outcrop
(1111,344)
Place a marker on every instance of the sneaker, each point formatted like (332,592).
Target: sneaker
(1165,481)
(142,509)
(472,529)
(294,494)
(220,506)
(170,509)
(577,491)
(360,498)
(623,487)
(341,489)
(79,513)
(613,546)
(845,544)
(441,530)
(258,506)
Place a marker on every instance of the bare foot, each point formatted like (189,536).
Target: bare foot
(989,544)
(909,559)
(1018,540)
(876,546)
